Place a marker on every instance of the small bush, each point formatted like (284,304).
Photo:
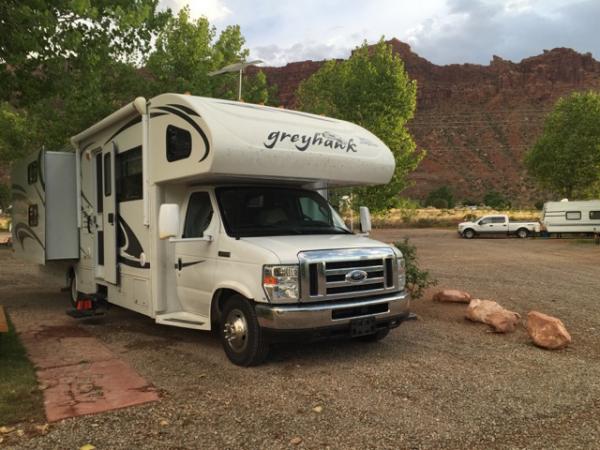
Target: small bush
(442,196)
(496,200)
(417,280)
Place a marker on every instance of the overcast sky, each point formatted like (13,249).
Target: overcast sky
(443,31)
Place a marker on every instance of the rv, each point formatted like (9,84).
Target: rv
(211,214)
(572,217)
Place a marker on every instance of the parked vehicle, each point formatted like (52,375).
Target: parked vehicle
(571,217)
(210,214)
(498,225)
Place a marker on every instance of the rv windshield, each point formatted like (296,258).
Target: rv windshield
(273,211)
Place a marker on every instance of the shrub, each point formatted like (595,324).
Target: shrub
(442,193)
(417,280)
(439,203)
(496,200)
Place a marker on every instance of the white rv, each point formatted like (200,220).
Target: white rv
(206,213)
(572,217)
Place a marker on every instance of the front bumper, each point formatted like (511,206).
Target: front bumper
(305,316)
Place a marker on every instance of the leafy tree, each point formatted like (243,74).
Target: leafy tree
(15,133)
(566,157)
(64,64)
(371,89)
(183,55)
(442,195)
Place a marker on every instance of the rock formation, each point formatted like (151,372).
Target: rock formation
(475,121)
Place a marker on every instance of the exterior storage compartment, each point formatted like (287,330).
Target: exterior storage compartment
(44,213)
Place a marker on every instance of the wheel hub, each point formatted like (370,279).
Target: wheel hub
(236,330)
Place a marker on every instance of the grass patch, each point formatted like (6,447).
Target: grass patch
(20,398)
(443,218)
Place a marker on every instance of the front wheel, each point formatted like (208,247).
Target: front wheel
(468,234)
(243,340)
(522,233)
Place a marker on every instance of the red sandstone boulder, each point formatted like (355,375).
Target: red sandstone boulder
(491,313)
(547,331)
(452,295)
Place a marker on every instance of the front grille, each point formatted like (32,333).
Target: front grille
(327,275)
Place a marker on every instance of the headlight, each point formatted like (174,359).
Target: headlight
(281,282)
(401,272)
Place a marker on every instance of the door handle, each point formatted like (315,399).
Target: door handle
(111,218)
(179,264)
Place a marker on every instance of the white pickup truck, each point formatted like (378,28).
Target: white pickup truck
(498,225)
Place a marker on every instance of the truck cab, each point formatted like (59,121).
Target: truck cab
(282,264)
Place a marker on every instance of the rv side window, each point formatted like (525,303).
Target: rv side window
(107,174)
(179,143)
(99,196)
(129,175)
(573,215)
(32,214)
(198,216)
(595,215)
(32,172)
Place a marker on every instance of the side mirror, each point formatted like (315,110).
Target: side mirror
(168,220)
(365,219)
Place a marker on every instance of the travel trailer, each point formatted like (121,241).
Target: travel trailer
(572,217)
(211,214)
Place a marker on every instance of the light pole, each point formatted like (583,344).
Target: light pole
(236,67)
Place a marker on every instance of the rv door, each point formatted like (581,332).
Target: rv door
(110,213)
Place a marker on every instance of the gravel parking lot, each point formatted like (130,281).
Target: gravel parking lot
(438,382)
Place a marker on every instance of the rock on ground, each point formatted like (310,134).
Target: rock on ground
(491,313)
(547,331)
(452,295)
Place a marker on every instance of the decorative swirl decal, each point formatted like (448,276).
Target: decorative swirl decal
(193,123)
(129,245)
(22,231)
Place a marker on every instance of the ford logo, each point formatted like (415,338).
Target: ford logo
(356,276)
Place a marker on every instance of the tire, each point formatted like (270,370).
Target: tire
(522,233)
(243,339)
(73,292)
(468,233)
(376,337)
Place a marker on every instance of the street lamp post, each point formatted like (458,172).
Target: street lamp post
(236,67)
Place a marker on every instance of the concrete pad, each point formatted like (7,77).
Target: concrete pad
(79,374)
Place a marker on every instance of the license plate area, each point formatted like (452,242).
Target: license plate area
(363,327)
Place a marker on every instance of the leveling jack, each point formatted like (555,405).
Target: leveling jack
(88,307)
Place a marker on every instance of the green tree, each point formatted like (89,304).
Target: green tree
(64,64)
(444,194)
(373,90)
(15,133)
(183,55)
(566,157)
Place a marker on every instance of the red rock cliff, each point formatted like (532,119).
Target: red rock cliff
(475,121)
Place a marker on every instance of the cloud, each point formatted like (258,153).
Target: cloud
(474,30)
(275,55)
(213,10)
(443,31)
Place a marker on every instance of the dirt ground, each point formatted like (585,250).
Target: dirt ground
(438,382)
